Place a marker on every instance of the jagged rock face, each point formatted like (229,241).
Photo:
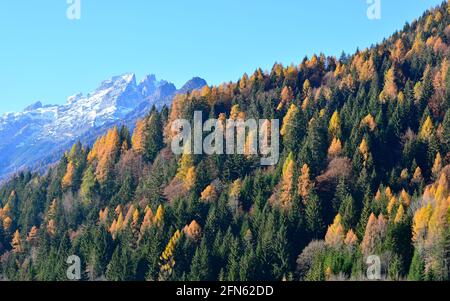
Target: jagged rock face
(38,135)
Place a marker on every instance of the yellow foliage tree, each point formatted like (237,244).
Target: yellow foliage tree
(307,90)
(288,119)
(135,221)
(390,90)
(7,222)
(437,166)
(159,216)
(234,194)
(139,136)
(185,163)
(106,153)
(420,223)
(287,181)
(335,235)
(167,257)
(189,181)
(417,177)
(391,205)
(400,214)
(405,198)
(364,149)
(427,129)
(334,128)
(442,189)
(388,193)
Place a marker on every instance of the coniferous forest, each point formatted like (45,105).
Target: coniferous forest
(364,171)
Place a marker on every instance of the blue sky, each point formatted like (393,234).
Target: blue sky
(45,56)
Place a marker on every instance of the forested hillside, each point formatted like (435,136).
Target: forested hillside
(364,170)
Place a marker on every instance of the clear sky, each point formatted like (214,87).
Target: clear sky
(45,56)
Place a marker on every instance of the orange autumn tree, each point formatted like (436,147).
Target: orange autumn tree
(67,180)
(33,236)
(351,239)
(374,235)
(390,89)
(431,224)
(335,149)
(148,220)
(287,96)
(305,185)
(369,122)
(139,136)
(193,231)
(16,243)
(285,197)
(104,153)
(209,194)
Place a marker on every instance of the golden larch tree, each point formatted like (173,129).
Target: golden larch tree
(67,180)
(390,89)
(16,243)
(148,220)
(159,216)
(305,185)
(287,182)
(369,122)
(437,166)
(335,234)
(334,127)
(289,119)
(139,136)
(209,194)
(193,230)
(427,129)
(335,149)
(167,257)
(351,239)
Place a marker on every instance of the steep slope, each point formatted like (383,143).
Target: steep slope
(364,171)
(36,136)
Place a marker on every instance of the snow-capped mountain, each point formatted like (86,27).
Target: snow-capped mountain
(39,134)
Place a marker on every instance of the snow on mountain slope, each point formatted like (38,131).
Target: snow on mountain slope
(38,135)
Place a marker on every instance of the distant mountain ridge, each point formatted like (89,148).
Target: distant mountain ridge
(36,137)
